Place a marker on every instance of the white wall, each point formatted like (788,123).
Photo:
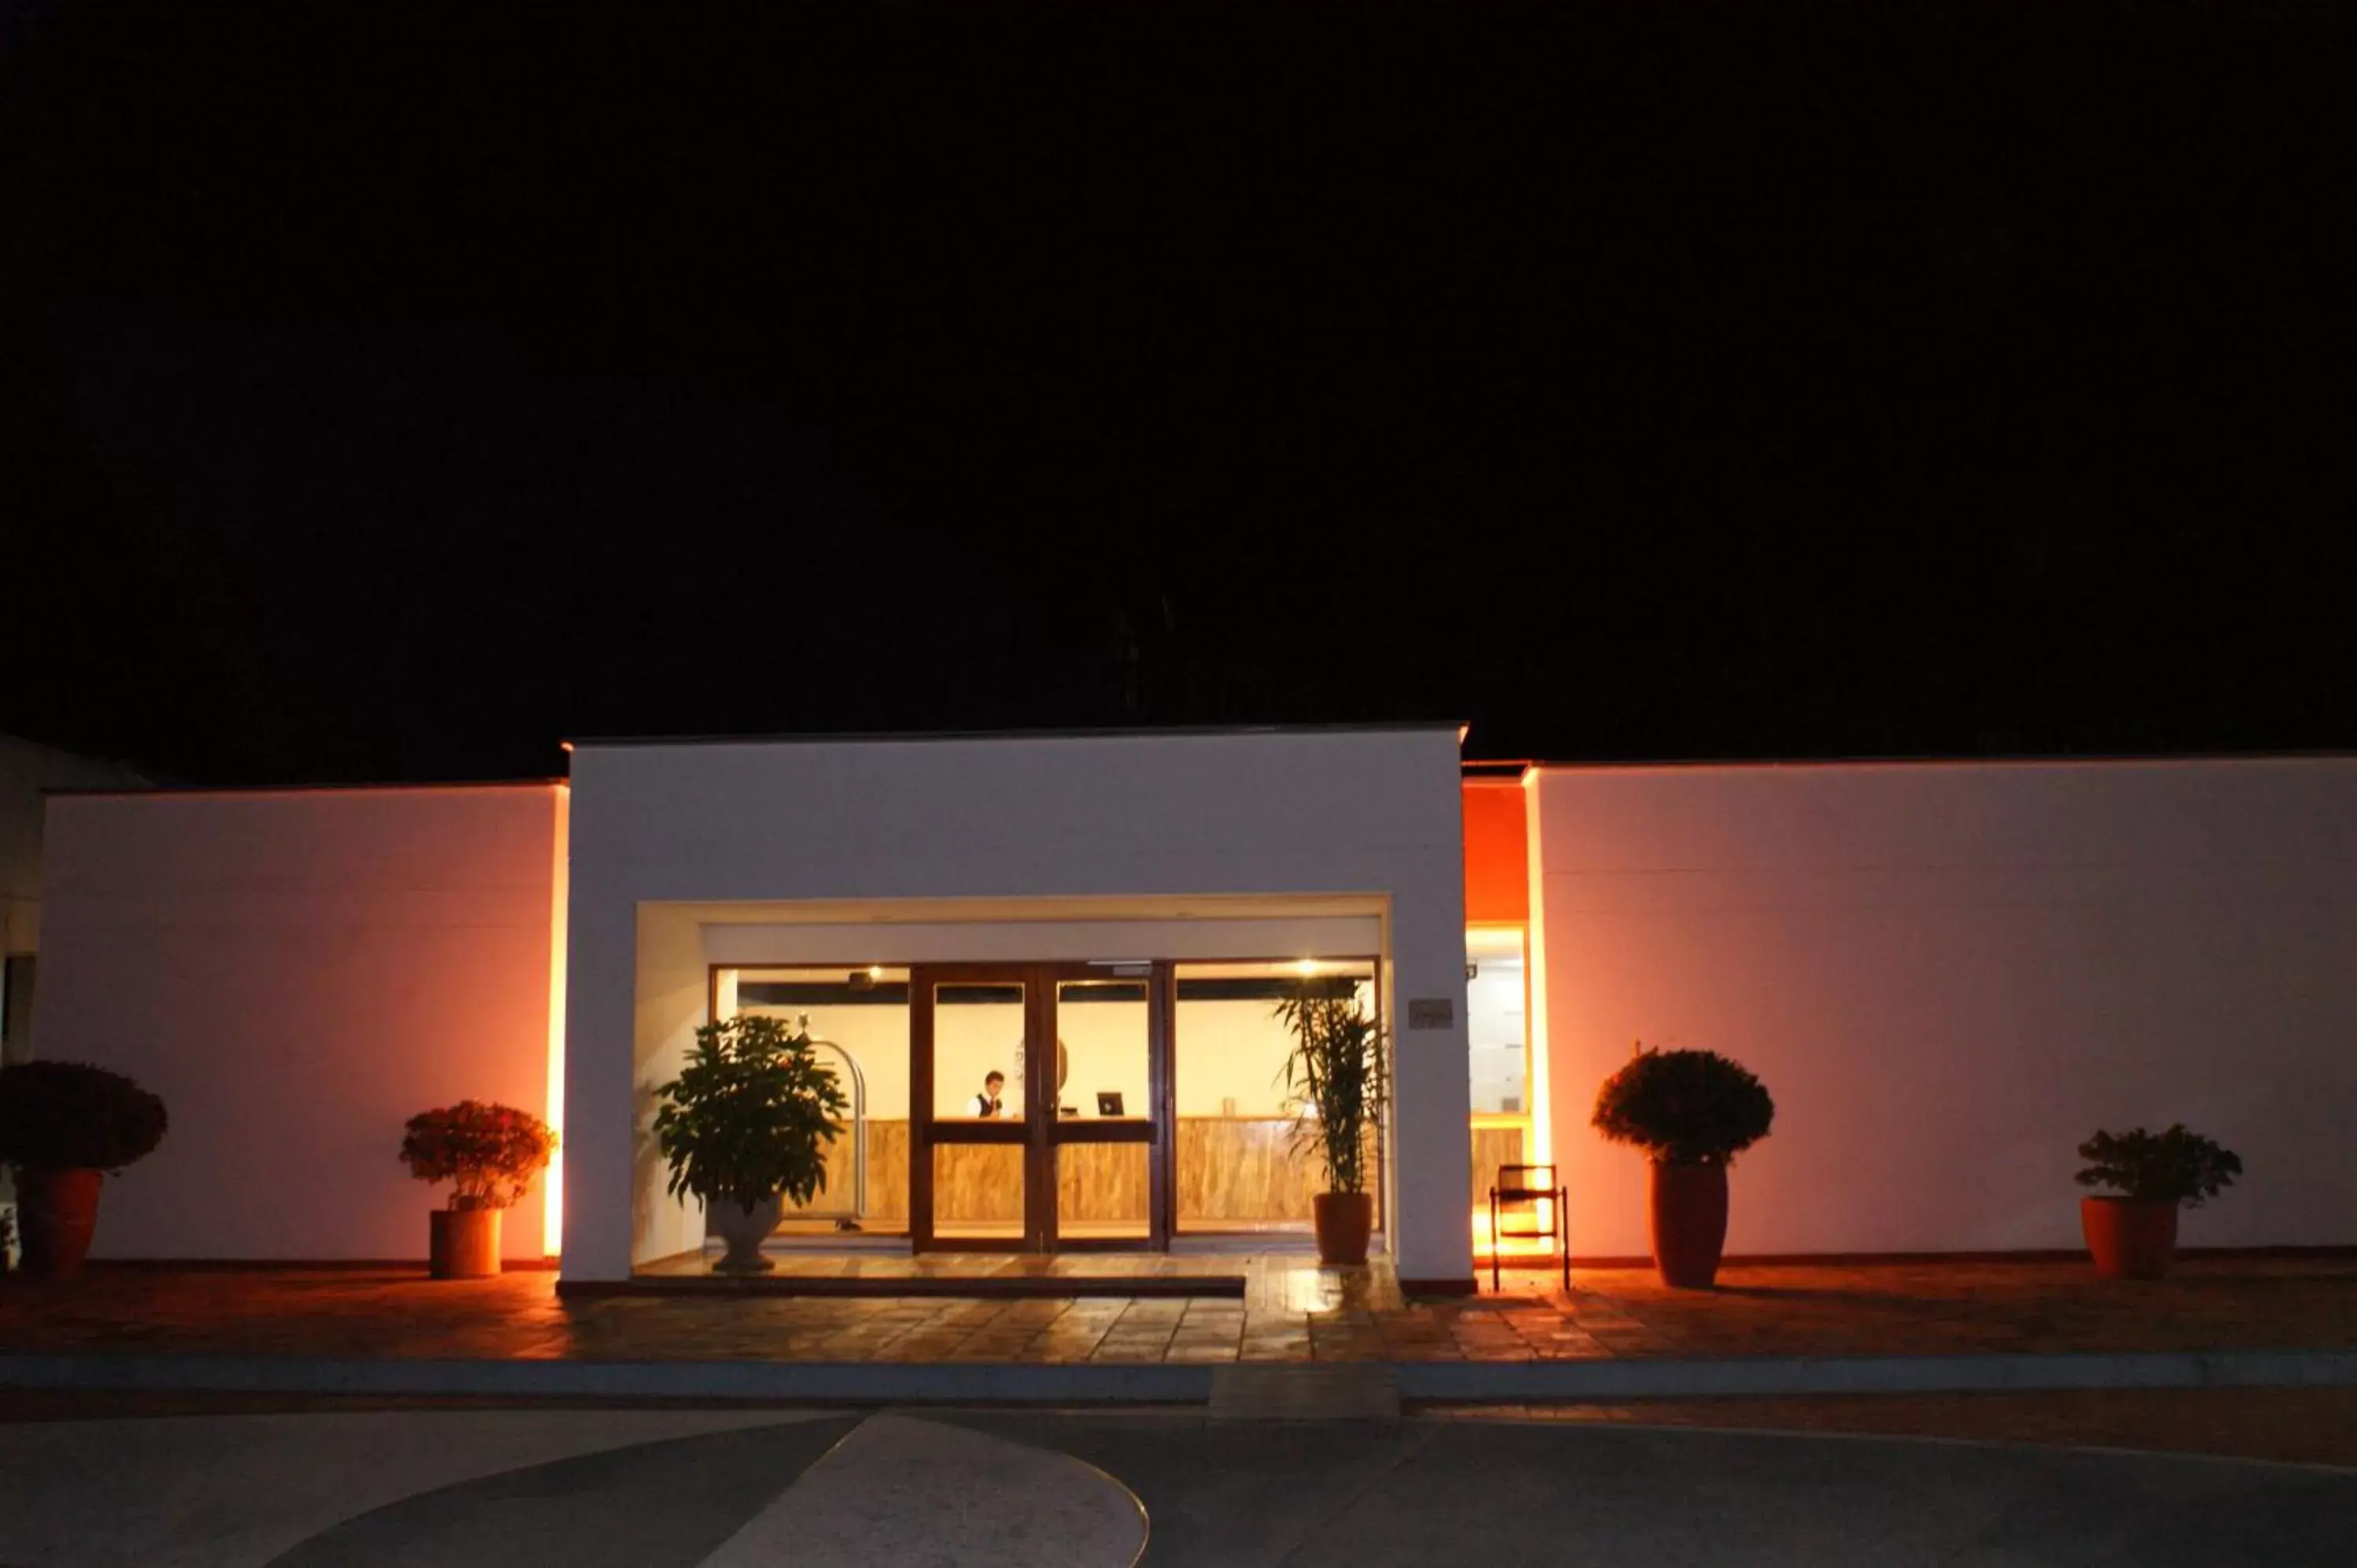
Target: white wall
(26,771)
(1949,975)
(297,973)
(1371,816)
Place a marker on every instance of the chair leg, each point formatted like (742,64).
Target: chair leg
(1562,1234)
(1495,1286)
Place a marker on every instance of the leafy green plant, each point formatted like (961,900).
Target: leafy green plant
(749,1115)
(1684,1108)
(72,1116)
(1340,1066)
(2175,1167)
(487,1153)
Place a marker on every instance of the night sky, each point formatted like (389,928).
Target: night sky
(386,393)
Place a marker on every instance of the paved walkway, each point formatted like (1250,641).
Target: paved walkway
(703,1489)
(1292,1311)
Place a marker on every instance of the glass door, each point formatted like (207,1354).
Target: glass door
(1038,1099)
(1108,1142)
(970,1143)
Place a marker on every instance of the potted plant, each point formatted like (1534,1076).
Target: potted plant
(746,1125)
(1690,1112)
(488,1154)
(2132,1229)
(1340,1071)
(65,1126)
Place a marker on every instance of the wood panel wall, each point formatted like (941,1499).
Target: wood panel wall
(1492,1147)
(1238,1169)
(1246,1169)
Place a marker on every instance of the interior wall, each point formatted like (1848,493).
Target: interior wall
(297,974)
(877,1038)
(1494,1019)
(1948,976)
(1230,1053)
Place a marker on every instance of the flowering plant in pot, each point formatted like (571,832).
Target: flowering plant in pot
(2131,1229)
(1340,1070)
(745,1125)
(1690,1113)
(65,1127)
(488,1154)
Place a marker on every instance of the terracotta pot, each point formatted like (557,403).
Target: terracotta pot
(464,1244)
(56,1212)
(744,1229)
(2131,1238)
(1687,1210)
(1344,1221)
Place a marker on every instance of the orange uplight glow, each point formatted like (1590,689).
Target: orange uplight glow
(552,1199)
(1527,1217)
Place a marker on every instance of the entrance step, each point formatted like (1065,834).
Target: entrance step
(1345,1391)
(883,1286)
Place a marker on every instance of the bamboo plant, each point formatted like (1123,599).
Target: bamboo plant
(1340,1068)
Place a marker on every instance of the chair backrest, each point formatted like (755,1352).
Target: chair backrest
(1526,1181)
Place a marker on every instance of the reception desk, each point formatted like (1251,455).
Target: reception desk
(1240,1170)
(1247,1170)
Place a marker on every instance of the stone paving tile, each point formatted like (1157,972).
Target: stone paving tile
(1291,1312)
(1131,1352)
(1187,1354)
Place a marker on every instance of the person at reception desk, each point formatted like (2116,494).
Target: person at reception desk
(989,1103)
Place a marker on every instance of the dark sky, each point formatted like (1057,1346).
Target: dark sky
(388,391)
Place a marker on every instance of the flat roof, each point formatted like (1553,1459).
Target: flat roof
(1499,770)
(177,791)
(1135,732)
(2025,759)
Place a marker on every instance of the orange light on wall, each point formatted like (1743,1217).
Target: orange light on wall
(1535,1216)
(552,1210)
(1497,857)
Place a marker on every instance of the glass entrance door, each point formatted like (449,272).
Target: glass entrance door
(969,1093)
(1039,1095)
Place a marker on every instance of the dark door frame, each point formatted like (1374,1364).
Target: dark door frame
(1041,1132)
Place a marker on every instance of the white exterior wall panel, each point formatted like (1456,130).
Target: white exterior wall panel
(1950,975)
(297,973)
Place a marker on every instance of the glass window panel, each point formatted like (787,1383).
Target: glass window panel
(978,1031)
(1497,1031)
(1100,1050)
(857,1019)
(1239,1168)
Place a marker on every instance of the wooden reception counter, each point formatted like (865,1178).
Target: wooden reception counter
(1232,1169)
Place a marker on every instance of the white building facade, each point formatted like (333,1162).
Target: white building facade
(1948,975)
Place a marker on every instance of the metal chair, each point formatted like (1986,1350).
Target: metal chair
(1531,1185)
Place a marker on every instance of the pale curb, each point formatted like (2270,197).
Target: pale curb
(988,1383)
